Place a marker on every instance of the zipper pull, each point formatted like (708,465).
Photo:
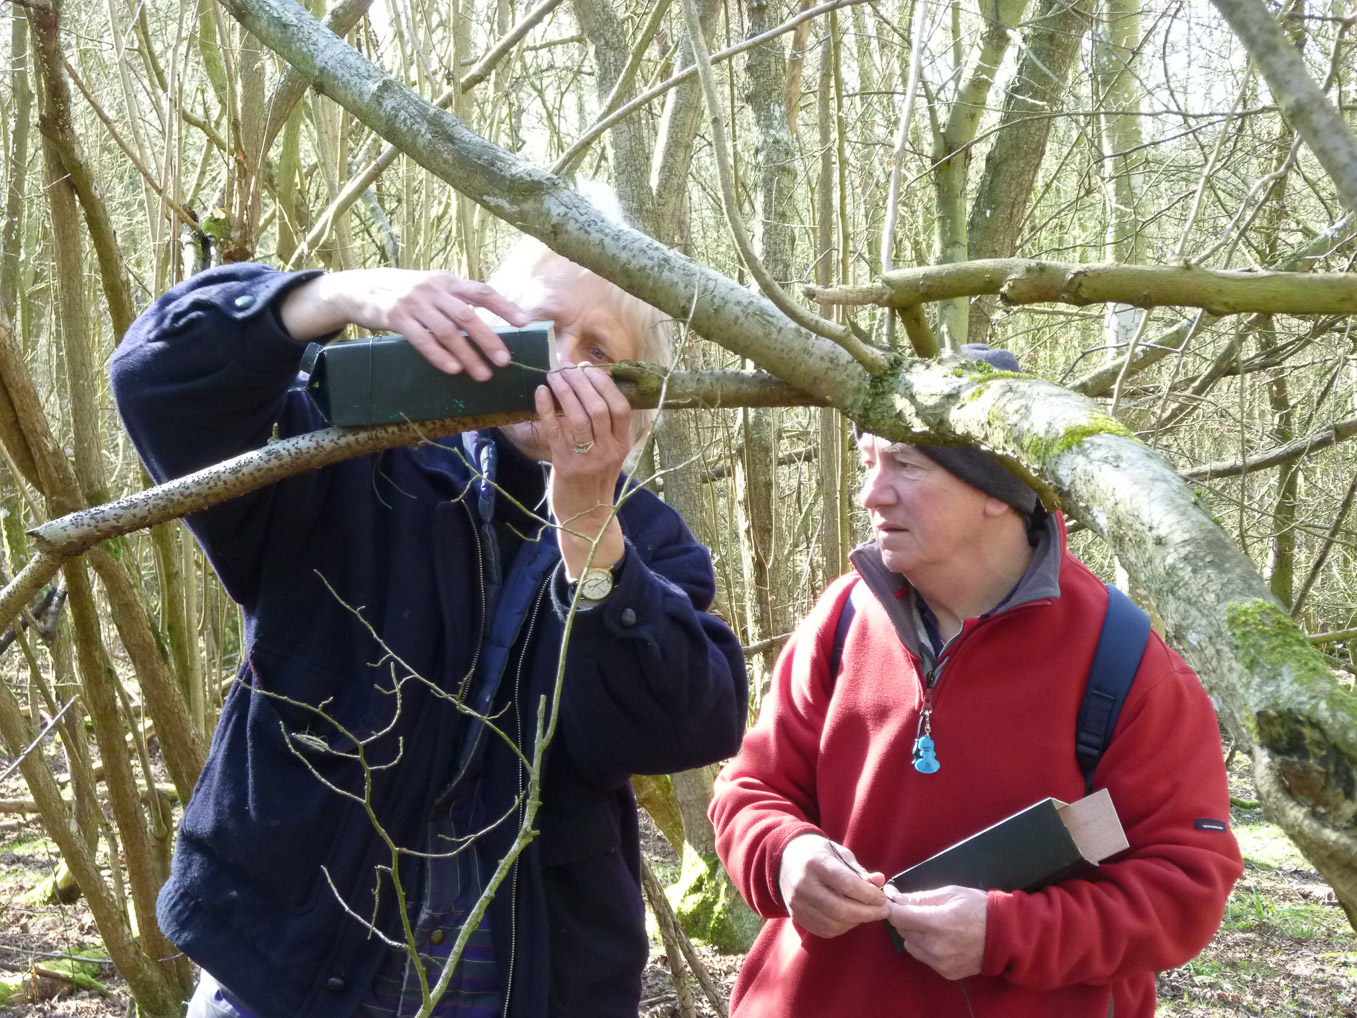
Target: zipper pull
(925,757)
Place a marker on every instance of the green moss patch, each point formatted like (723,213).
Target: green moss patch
(1045,450)
(710,908)
(1313,767)
(982,371)
(81,967)
(1266,637)
(32,845)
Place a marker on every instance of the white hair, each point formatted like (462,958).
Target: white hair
(652,329)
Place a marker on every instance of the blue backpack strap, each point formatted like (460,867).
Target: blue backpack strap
(1120,647)
(846,613)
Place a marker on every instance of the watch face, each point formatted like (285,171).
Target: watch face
(596,584)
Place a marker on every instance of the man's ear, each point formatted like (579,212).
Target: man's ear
(996,507)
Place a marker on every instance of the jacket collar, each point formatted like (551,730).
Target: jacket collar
(482,453)
(1041,582)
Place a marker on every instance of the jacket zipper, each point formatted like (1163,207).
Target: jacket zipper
(932,675)
(924,755)
(485,608)
(518,725)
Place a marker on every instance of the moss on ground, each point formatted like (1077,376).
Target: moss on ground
(81,966)
(1265,845)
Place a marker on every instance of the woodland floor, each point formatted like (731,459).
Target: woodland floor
(1284,949)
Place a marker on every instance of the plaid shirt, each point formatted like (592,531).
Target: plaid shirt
(444,886)
(449,881)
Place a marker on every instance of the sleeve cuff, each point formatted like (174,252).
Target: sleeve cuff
(999,906)
(784,837)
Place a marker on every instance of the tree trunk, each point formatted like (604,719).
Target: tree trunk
(1050,45)
(333,153)
(462,53)
(11,237)
(77,357)
(831,550)
(287,170)
(29,435)
(64,160)
(178,612)
(157,993)
(952,154)
(11,245)
(629,143)
(1116,48)
(145,841)
(673,161)
(766,73)
(1281,572)
(247,130)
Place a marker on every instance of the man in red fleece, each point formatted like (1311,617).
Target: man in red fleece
(952,706)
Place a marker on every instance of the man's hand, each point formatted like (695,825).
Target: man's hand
(824,888)
(944,929)
(432,310)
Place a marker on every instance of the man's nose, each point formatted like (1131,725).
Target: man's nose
(874,490)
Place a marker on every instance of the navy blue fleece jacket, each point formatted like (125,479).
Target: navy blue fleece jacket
(377,611)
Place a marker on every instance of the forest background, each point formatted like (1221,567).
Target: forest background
(1146,211)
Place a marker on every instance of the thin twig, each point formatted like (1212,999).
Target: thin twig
(624,82)
(34,744)
(487,64)
(1323,554)
(1339,431)
(669,935)
(155,185)
(27,951)
(902,139)
(1333,636)
(768,644)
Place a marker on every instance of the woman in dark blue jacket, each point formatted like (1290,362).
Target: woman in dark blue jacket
(404,623)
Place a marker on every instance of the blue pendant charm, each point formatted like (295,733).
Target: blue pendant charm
(925,758)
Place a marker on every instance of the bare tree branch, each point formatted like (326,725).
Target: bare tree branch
(1022,281)
(869,357)
(1340,431)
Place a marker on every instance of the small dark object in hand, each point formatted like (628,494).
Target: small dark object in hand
(384,379)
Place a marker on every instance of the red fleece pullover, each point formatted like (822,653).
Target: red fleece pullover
(834,757)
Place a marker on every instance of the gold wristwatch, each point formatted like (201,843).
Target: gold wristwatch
(596,584)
